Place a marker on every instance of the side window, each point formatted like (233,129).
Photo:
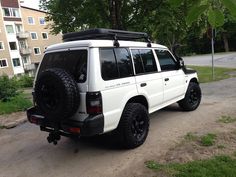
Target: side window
(108,64)
(149,62)
(144,61)
(138,63)
(166,60)
(123,58)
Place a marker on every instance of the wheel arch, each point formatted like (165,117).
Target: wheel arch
(195,80)
(139,99)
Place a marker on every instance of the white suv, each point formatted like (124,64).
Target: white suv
(103,80)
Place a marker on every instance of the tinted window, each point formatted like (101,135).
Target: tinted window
(123,58)
(108,64)
(144,61)
(138,63)
(74,62)
(148,59)
(166,60)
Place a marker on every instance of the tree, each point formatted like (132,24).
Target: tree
(74,15)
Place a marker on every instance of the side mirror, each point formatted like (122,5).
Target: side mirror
(181,62)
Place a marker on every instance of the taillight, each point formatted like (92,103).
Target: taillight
(94,102)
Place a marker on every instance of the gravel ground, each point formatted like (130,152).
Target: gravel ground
(25,152)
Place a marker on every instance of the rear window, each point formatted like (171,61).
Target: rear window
(74,62)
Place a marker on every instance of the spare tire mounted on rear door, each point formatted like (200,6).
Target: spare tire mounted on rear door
(56,94)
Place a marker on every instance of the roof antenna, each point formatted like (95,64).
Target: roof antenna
(116,43)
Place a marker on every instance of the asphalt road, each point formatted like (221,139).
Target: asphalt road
(24,151)
(220,60)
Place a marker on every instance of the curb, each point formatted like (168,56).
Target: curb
(15,123)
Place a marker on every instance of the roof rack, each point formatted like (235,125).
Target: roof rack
(101,33)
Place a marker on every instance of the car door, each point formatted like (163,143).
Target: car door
(173,76)
(148,79)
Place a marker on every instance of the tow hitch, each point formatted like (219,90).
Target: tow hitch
(53,137)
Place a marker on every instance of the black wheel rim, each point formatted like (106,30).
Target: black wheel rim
(194,97)
(50,96)
(138,127)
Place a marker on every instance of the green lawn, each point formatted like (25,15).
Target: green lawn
(17,103)
(205,73)
(218,166)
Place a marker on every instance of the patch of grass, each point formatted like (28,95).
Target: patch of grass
(17,103)
(214,167)
(205,73)
(190,137)
(227,119)
(208,139)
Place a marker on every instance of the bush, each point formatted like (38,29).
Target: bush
(8,88)
(25,81)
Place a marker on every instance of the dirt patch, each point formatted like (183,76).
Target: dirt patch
(12,120)
(191,149)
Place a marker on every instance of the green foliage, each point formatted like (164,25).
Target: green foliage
(214,167)
(231,5)
(227,119)
(8,88)
(215,18)
(208,139)
(195,13)
(17,103)
(25,81)
(205,73)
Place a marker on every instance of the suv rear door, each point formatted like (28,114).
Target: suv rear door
(172,75)
(148,79)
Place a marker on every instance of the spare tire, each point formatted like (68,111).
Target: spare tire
(56,94)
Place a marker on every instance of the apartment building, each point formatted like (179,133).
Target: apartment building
(24,35)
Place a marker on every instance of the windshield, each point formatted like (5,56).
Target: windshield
(73,61)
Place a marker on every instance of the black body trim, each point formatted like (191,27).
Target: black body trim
(92,125)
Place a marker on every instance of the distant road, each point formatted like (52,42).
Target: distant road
(221,60)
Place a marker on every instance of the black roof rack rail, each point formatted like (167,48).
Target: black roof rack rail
(102,33)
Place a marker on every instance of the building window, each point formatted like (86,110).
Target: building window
(15,13)
(45,35)
(19,28)
(34,36)
(37,51)
(42,21)
(30,20)
(1,45)
(3,63)
(13,45)
(10,29)
(6,12)
(16,62)
(11,12)
(26,60)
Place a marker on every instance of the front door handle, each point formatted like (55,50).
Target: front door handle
(143,84)
(167,79)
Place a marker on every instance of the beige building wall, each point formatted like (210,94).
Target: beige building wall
(4,54)
(37,28)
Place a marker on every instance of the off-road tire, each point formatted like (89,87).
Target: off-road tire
(133,113)
(56,94)
(192,97)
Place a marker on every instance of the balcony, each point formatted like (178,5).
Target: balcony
(22,35)
(29,67)
(25,51)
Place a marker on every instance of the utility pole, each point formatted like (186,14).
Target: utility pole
(213,51)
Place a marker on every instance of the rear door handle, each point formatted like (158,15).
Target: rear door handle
(143,84)
(167,79)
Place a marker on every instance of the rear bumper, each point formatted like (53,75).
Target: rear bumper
(92,125)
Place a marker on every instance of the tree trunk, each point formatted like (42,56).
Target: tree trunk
(115,14)
(226,43)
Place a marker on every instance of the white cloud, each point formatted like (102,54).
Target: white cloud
(31,3)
